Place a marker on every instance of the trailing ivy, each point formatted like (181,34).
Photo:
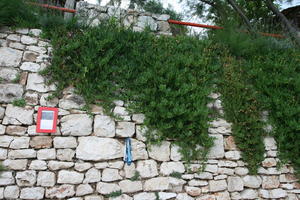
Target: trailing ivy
(261,74)
(168,79)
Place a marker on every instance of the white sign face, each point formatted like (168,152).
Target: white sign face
(47,119)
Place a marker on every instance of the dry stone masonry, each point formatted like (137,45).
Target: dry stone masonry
(83,160)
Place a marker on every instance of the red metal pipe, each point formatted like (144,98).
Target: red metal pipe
(54,7)
(171,21)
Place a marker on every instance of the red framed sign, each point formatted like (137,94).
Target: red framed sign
(46,120)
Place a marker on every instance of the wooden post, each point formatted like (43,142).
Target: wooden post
(71,5)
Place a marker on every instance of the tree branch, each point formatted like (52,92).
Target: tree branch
(291,30)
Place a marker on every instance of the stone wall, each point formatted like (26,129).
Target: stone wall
(83,160)
(138,21)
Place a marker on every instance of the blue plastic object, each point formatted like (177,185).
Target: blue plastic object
(128,156)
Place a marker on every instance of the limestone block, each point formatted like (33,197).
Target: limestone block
(270,143)
(60,192)
(235,183)
(30,66)
(144,196)
(233,155)
(38,165)
(46,179)
(40,142)
(195,182)
(278,193)
(71,101)
(92,176)
(44,101)
(216,186)
(204,175)
(82,166)
(8,74)
(227,163)
(11,192)
(211,168)
(125,129)
(217,151)
(28,40)
(160,152)
(37,83)
(5,140)
(57,165)
(18,115)
(175,154)
(147,21)
(249,194)
(7,178)
(192,191)
(184,196)
(129,170)
(106,188)
(35,32)
(16,130)
(76,125)
(138,150)
(32,193)
(30,56)
(10,57)
(3,154)
(252,181)
(97,149)
(104,126)
(20,143)
(138,118)
(84,189)
(17,45)
(109,175)
(37,49)
(269,162)
(10,92)
(14,37)
(24,153)
(26,178)
(157,184)
(94,197)
(19,164)
(116,164)
(147,168)
(46,154)
(167,168)
(69,177)
(270,182)
(65,154)
(129,186)
(140,132)
(241,171)
(64,142)
(31,98)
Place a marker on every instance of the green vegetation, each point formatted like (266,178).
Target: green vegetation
(114,194)
(176,175)
(261,74)
(136,176)
(169,80)
(17,78)
(162,82)
(19,102)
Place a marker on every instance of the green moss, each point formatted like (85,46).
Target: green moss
(19,102)
(114,194)
(176,175)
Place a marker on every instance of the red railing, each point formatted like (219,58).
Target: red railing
(171,21)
